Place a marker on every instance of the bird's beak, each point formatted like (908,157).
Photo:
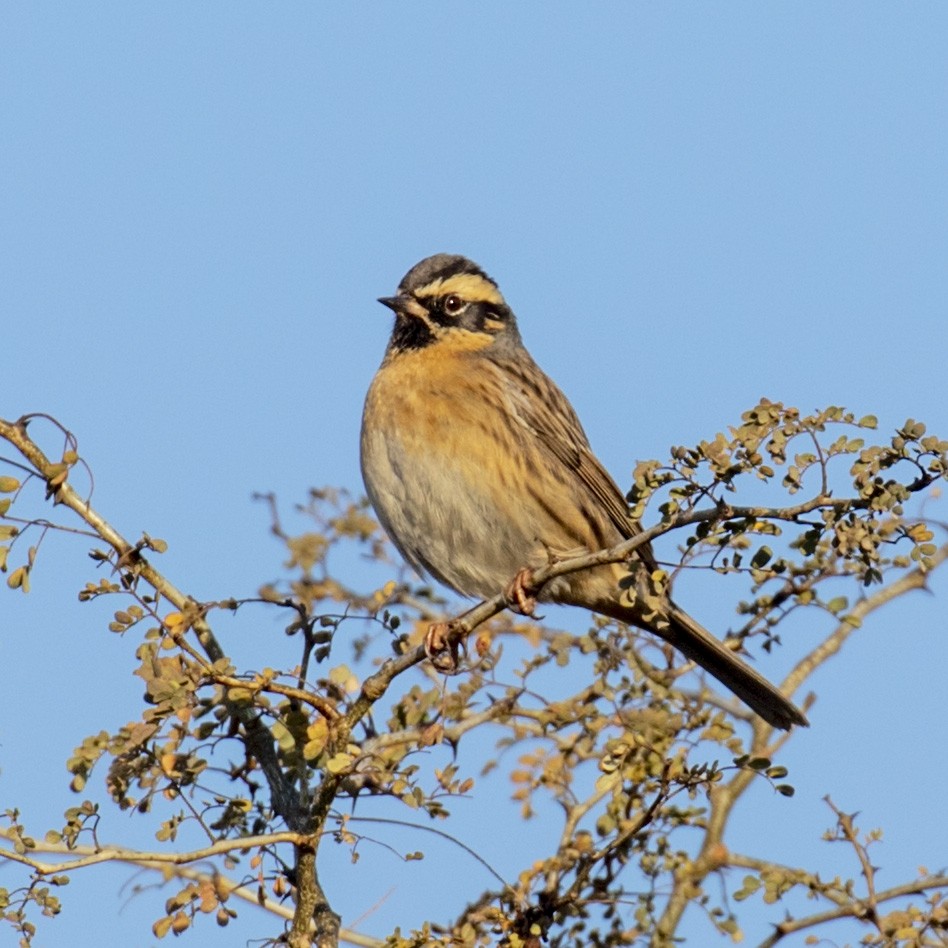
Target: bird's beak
(395,303)
(404,305)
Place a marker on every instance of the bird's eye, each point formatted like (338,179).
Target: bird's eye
(453,304)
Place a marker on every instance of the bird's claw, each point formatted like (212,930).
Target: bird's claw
(521,594)
(443,642)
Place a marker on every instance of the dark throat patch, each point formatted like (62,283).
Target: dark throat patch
(410,332)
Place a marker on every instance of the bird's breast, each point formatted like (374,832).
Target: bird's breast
(450,473)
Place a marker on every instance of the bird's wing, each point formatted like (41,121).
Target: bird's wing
(546,413)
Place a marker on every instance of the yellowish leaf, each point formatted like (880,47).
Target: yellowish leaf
(339,763)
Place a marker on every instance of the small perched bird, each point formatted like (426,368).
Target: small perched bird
(480,472)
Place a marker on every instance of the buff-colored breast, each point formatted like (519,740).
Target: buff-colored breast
(458,481)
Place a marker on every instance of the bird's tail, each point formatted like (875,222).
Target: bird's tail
(701,647)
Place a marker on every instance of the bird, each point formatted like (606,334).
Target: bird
(480,472)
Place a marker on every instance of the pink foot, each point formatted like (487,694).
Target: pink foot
(520,594)
(442,644)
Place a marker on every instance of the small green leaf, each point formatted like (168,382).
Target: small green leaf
(837,605)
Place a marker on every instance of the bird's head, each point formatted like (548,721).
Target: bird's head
(447,300)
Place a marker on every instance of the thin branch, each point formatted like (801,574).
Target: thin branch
(631,830)
(120,854)
(221,882)
(376,685)
(854,909)
(48,524)
(724,797)
(835,893)
(452,732)
(574,814)
(846,824)
(259,739)
(319,704)
(916,579)
(435,832)
(228,886)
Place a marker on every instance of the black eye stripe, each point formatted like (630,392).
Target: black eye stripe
(439,313)
(473,315)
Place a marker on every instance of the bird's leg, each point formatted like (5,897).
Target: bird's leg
(521,593)
(443,640)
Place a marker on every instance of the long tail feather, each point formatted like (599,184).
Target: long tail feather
(696,643)
(701,647)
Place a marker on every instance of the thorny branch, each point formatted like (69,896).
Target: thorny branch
(95,856)
(130,557)
(854,909)
(376,685)
(723,797)
(179,865)
(260,744)
(313,922)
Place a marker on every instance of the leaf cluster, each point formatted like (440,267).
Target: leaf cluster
(628,764)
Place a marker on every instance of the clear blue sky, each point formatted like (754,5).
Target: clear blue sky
(688,206)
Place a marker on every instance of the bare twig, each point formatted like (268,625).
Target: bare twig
(185,871)
(723,797)
(846,823)
(915,579)
(93,856)
(853,909)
